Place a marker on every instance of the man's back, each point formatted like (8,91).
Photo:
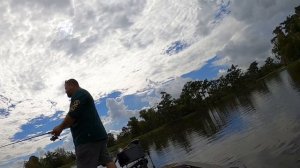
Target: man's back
(88,126)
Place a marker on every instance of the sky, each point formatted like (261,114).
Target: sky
(123,52)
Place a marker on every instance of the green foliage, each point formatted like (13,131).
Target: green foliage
(133,125)
(111,141)
(151,119)
(166,108)
(33,162)
(253,69)
(232,78)
(286,43)
(54,159)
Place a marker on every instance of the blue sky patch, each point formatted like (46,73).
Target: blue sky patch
(208,71)
(40,124)
(176,47)
(222,11)
(134,102)
(234,124)
(4,112)
(101,104)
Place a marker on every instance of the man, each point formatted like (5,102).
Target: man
(89,135)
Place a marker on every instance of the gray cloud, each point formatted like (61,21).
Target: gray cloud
(257,21)
(137,38)
(205,17)
(103,19)
(45,5)
(254,45)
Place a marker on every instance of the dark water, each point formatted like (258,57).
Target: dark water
(259,129)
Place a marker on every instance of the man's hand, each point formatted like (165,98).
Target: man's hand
(68,121)
(57,130)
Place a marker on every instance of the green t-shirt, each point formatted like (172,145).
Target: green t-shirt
(88,126)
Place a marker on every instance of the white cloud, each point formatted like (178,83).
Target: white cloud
(172,87)
(117,45)
(68,142)
(118,114)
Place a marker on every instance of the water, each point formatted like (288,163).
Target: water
(259,129)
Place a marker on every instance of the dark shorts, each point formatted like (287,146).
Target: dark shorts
(92,154)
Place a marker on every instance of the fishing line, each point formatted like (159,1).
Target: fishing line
(53,138)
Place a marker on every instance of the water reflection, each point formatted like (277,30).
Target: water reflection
(259,129)
(262,87)
(294,73)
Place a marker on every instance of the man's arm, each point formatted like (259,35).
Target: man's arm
(67,123)
(73,115)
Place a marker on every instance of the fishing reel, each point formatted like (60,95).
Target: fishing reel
(53,138)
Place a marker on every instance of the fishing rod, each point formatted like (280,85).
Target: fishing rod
(53,138)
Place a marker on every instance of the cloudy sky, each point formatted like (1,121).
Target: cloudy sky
(124,52)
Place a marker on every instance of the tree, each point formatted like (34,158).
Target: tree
(214,88)
(253,68)
(286,43)
(111,141)
(268,66)
(253,72)
(151,118)
(33,162)
(54,159)
(269,62)
(191,96)
(133,125)
(204,89)
(166,107)
(124,135)
(233,75)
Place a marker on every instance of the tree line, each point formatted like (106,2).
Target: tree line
(196,96)
(286,43)
(54,159)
